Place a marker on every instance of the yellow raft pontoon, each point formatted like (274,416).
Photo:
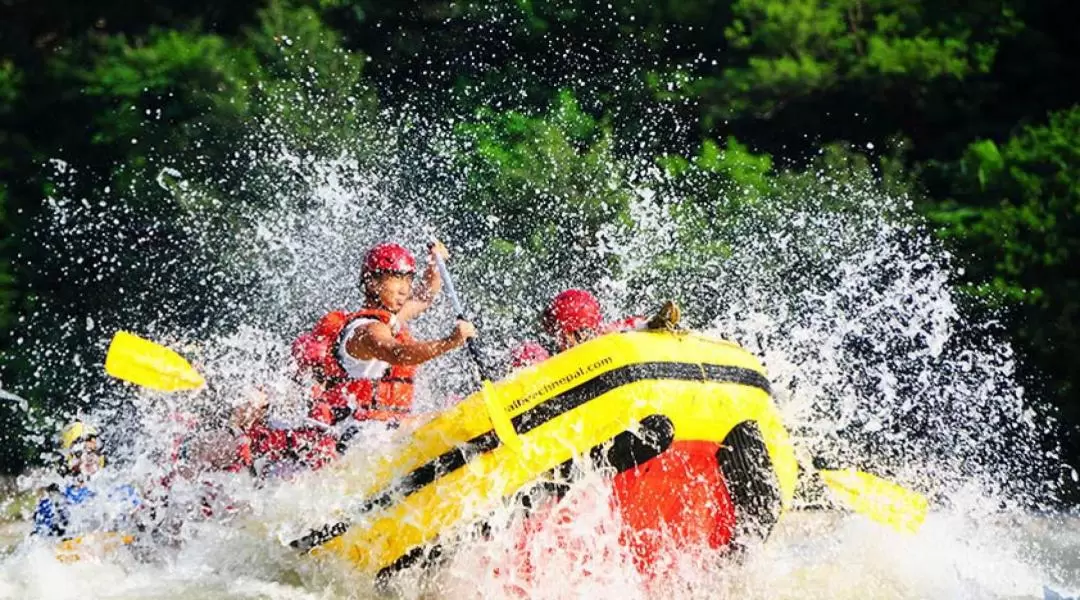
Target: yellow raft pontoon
(620,400)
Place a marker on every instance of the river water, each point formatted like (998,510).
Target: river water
(811,554)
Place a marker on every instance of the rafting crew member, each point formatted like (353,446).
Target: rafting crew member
(572,317)
(82,461)
(269,449)
(364,362)
(199,485)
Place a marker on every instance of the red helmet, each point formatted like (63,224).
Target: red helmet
(388,258)
(527,354)
(571,311)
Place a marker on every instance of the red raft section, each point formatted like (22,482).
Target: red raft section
(668,496)
(669,503)
(676,500)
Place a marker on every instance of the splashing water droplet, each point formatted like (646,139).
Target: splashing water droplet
(167,177)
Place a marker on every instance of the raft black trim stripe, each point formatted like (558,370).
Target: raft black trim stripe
(553,407)
(411,483)
(601,384)
(536,416)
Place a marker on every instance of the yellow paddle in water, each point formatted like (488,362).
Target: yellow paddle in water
(882,501)
(142,362)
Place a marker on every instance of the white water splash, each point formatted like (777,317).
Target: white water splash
(850,308)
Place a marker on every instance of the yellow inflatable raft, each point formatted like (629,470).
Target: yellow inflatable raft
(619,400)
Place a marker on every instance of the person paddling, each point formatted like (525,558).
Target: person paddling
(365,361)
(74,504)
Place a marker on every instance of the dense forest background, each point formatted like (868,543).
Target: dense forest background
(971,107)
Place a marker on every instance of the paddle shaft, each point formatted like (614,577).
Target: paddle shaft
(455,301)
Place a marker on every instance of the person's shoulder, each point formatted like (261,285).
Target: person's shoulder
(528,353)
(331,318)
(371,325)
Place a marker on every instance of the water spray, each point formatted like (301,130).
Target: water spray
(455,301)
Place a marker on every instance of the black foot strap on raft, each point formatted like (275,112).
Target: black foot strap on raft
(654,435)
(752,483)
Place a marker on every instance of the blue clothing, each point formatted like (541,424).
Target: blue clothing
(52,517)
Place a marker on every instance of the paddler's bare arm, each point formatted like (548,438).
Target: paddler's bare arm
(375,340)
(430,287)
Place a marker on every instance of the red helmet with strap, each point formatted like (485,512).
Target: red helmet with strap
(571,311)
(388,258)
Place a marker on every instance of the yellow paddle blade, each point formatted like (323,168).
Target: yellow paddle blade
(151,365)
(880,500)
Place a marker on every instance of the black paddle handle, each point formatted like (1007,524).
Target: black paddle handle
(474,350)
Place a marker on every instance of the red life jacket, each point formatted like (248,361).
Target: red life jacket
(262,448)
(388,398)
(529,353)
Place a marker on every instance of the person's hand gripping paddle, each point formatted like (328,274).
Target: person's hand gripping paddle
(455,301)
(500,420)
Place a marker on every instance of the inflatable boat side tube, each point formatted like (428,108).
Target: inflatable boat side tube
(553,407)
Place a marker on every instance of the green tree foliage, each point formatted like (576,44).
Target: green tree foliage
(308,80)
(549,183)
(114,103)
(800,48)
(9,90)
(1015,211)
(712,190)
